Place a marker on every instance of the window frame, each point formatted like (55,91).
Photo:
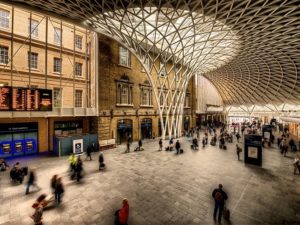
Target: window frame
(55,66)
(76,101)
(34,32)
(57,39)
(76,71)
(120,84)
(4,56)
(162,68)
(124,57)
(4,20)
(59,102)
(77,45)
(32,61)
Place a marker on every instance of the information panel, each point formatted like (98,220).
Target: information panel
(5,98)
(32,100)
(25,99)
(18,99)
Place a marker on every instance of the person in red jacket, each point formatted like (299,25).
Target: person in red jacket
(121,215)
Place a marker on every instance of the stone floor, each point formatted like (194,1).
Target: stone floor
(162,188)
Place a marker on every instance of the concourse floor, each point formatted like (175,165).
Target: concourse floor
(162,188)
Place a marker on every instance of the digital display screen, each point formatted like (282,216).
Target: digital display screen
(25,99)
(32,100)
(5,98)
(45,103)
(18,99)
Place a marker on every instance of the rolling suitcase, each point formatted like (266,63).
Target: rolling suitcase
(181,151)
(226,214)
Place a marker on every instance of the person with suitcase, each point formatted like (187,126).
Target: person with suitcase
(220,197)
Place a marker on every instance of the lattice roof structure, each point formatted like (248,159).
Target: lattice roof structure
(249,49)
(262,42)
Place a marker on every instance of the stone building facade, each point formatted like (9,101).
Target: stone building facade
(41,52)
(138,118)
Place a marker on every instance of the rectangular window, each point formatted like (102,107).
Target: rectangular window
(33,28)
(124,95)
(78,98)
(187,101)
(57,35)
(4,18)
(162,69)
(124,57)
(3,55)
(32,60)
(78,69)
(57,65)
(78,41)
(57,97)
(147,63)
(145,98)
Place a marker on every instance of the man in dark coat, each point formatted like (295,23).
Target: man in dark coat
(220,197)
(177,146)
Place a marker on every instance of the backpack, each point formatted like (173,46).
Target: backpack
(219,196)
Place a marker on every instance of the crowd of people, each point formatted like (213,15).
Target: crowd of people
(76,169)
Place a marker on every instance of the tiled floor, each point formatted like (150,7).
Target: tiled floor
(162,188)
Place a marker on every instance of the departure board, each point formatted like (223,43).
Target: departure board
(25,99)
(32,100)
(45,100)
(5,98)
(18,99)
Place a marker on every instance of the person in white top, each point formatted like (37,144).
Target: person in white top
(296,164)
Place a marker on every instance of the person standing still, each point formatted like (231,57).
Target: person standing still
(220,197)
(88,153)
(177,146)
(238,151)
(140,145)
(127,145)
(160,145)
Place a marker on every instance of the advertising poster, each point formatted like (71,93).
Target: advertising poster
(267,135)
(78,146)
(253,152)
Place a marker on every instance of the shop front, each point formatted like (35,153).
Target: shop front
(146,128)
(17,139)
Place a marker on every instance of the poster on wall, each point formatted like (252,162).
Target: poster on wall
(267,135)
(78,146)
(253,152)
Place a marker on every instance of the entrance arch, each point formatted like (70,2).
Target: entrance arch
(124,130)
(146,128)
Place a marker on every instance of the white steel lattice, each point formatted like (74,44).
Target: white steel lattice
(249,49)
